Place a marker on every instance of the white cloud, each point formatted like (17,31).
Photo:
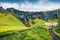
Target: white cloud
(39,6)
(9,5)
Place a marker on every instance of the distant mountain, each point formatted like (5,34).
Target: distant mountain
(32,15)
(25,16)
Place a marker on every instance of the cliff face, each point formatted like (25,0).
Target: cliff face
(32,15)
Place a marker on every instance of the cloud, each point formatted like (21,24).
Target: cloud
(9,5)
(42,5)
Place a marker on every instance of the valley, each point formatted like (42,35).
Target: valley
(20,25)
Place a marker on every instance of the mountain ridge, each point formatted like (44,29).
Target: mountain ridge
(25,16)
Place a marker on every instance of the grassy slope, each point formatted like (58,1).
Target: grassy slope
(35,33)
(9,22)
(57,31)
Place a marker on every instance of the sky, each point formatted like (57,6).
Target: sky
(31,5)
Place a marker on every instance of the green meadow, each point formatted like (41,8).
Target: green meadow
(10,22)
(13,29)
(35,33)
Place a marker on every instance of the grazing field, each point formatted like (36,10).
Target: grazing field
(36,21)
(35,33)
(13,29)
(8,28)
(10,22)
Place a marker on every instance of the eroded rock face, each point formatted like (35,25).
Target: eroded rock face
(42,15)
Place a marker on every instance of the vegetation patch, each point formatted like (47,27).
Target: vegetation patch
(35,33)
(9,20)
(57,31)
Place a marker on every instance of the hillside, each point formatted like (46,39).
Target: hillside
(35,33)
(25,16)
(32,15)
(9,21)
(20,25)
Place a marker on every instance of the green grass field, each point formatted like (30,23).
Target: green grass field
(10,22)
(35,33)
(13,29)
